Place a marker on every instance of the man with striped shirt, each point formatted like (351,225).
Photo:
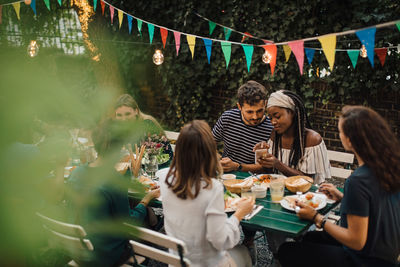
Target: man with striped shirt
(243,127)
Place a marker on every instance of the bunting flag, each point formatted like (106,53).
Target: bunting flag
(1,14)
(139,26)
(17,7)
(246,36)
(103,5)
(310,54)
(353,55)
(130,18)
(120,17)
(328,44)
(150,27)
(177,36)
(211,25)
(226,49)
(398,25)
(248,52)
(208,44)
(367,38)
(298,50)
(47,3)
(60,2)
(94,4)
(112,13)
(287,51)
(33,6)
(191,39)
(227,33)
(381,53)
(164,35)
(272,50)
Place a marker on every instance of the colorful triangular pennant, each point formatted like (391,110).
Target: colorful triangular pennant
(398,25)
(177,36)
(94,4)
(287,51)
(227,33)
(226,49)
(328,44)
(367,38)
(208,45)
(17,7)
(164,35)
(191,39)
(60,2)
(298,51)
(272,50)
(353,55)
(139,25)
(103,5)
(129,23)
(381,53)
(120,17)
(47,3)
(245,36)
(248,52)
(33,6)
(112,13)
(211,25)
(150,27)
(310,54)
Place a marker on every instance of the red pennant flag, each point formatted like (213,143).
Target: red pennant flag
(112,13)
(381,53)
(298,51)
(271,50)
(1,14)
(245,36)
(103,5)
(164,35)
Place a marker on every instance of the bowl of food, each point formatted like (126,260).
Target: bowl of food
(299,183)
(236,185)
(228,176)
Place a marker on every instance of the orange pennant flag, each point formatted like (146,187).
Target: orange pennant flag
(271,50)
(328,44)
(164,35)
(103,5)
(287,51)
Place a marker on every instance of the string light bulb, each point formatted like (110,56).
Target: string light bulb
(363,51)
(33,49)
(158,57)
(266,57)
(27,2)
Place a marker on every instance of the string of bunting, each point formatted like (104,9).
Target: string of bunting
(328,41)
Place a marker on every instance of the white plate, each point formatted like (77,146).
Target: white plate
(272,175)
(319,197)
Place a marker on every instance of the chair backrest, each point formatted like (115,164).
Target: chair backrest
(68,237)
(341,157)
(173,136)
(159,240)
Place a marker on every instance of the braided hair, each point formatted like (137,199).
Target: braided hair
(300,123)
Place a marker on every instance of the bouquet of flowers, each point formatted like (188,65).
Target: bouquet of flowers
(157,145)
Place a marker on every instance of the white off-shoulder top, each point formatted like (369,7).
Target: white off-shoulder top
(315,161)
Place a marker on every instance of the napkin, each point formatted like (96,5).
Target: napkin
(256,209)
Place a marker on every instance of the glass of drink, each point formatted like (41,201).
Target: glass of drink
(277,189)
(247,192)
(151,166)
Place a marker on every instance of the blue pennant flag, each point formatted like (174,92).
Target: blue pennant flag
(367,38)
(130,23)
(33,6)
(310,54)
(208,44)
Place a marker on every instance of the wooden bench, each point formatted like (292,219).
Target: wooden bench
(341,157)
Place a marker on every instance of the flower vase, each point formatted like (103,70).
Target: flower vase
(151,165)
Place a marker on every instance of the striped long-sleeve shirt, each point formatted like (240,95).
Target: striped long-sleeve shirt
(239,138)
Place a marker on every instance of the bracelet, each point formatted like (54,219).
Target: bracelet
(315,215)
(323,223)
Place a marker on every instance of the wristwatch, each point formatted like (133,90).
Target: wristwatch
(240,167)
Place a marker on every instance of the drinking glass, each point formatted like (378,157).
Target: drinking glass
(151,165)
(277,189)
(247,192)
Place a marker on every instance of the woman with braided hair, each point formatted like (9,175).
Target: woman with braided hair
(294,148)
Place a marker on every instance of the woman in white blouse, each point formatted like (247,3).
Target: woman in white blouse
(294,149)
(193,202)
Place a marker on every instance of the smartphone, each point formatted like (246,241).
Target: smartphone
(260,153)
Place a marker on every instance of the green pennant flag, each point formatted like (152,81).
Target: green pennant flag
(94,4)
(151,31)
(227,33)
(248,52)
(47,2)
(211,26)
(226,49)
(59,2)
(398,25)
(139,26)
(353,55)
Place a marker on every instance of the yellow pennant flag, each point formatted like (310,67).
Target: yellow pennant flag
(287,51)
(17,6)
(192,42)
(120,17)
(328,44)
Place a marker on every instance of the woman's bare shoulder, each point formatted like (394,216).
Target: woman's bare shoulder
(312,138)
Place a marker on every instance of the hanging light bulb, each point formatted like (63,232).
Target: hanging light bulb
(363,51)
(33,49)
(266,57)
(158,57)
(27,2)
